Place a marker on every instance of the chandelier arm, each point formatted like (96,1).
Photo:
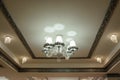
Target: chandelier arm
(58,49)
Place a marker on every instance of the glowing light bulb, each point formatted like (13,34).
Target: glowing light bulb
(113,38)
(98,59)
(59,39)
(7,40)
(49,40)
(72,43)
(24,59)
(49,29)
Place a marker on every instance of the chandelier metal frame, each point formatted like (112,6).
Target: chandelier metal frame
(59,49)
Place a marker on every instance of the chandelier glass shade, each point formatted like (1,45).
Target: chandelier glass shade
(59,49)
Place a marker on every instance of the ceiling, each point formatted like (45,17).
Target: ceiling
(90,23)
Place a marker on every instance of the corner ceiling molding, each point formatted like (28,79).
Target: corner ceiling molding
(114,61)
(100,32)
(7,60)
(112,53)
(8,52)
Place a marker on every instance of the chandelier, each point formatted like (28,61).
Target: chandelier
(59,49)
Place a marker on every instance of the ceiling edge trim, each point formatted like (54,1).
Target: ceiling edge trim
(109,12)
(61,70)
(113,75)
(15,66)
(114,60)
(10,62)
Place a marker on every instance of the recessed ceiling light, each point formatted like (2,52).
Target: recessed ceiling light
(114,38)
(24,59)
(8,39)
(99,59)
(71,33)
(58,26)
(49,29)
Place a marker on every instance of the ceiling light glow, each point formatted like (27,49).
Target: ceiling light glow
(59,39)
(72,43)
(99,59)
(71,33)
(3,78)
(7,39)
(24,59)
(49,29)
(58,26)
(114,38)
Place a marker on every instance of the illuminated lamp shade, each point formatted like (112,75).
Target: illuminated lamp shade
(49,40)
(59,49)
(72,43)
(59,39)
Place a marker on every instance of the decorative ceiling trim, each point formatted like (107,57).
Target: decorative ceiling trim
(110,10)
(9,61)
(101,30)
(113,75)
(15,66)
(115,59)
(62,70)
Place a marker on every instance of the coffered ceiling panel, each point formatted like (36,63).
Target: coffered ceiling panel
(35,18)
(91,23)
